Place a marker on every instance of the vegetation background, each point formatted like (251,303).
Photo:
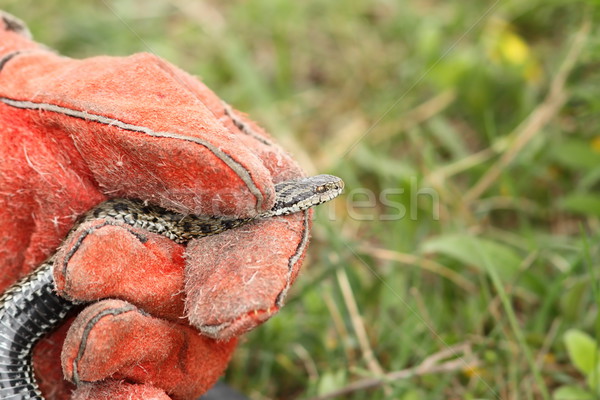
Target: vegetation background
(462,261)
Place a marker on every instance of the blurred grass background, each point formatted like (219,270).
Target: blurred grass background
(467,133)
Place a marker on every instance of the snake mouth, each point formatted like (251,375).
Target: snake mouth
(300,194)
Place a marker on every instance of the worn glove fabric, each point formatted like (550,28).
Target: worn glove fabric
(163,318)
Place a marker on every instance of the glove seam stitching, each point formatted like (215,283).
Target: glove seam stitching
(88,328)
(241,172)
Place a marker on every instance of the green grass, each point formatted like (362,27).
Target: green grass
(486,234)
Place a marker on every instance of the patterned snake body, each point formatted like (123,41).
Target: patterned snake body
(31,308)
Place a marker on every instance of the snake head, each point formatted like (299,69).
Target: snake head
(300,194)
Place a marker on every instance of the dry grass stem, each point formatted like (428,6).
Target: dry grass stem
(308,361)
(439,175)
(430,365)
(358,324)
(338,321)
(420,262)
(543,114)
(417,115)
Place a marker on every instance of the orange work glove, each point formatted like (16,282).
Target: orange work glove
(74,133)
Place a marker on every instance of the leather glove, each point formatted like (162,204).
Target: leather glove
(163,318)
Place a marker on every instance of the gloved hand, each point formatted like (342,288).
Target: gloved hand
(77,132)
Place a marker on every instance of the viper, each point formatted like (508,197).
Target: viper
(31,308)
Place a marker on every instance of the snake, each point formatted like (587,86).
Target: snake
(31,308)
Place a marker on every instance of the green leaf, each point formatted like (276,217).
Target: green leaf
(576,154)
(588,204)
(330,381)
(572,300)
(571,393)
(373,162)
(448,136)
(589,179)
(413,394)
(593,379)
(582,349)
(477,252)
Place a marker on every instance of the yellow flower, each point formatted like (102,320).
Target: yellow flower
(596,144)
(505,46)
(549,358)
(473,371)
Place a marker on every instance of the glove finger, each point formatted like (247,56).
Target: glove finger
(16,33)
(118,390)
(109,259)
(249,135)
(113,339)
(235,122)
(260,261)
(279,163)
(152,138)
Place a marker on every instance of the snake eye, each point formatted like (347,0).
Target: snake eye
(321,189)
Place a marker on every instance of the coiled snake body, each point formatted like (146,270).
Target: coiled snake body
(31,308)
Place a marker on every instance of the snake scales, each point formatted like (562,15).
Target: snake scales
(31,308)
